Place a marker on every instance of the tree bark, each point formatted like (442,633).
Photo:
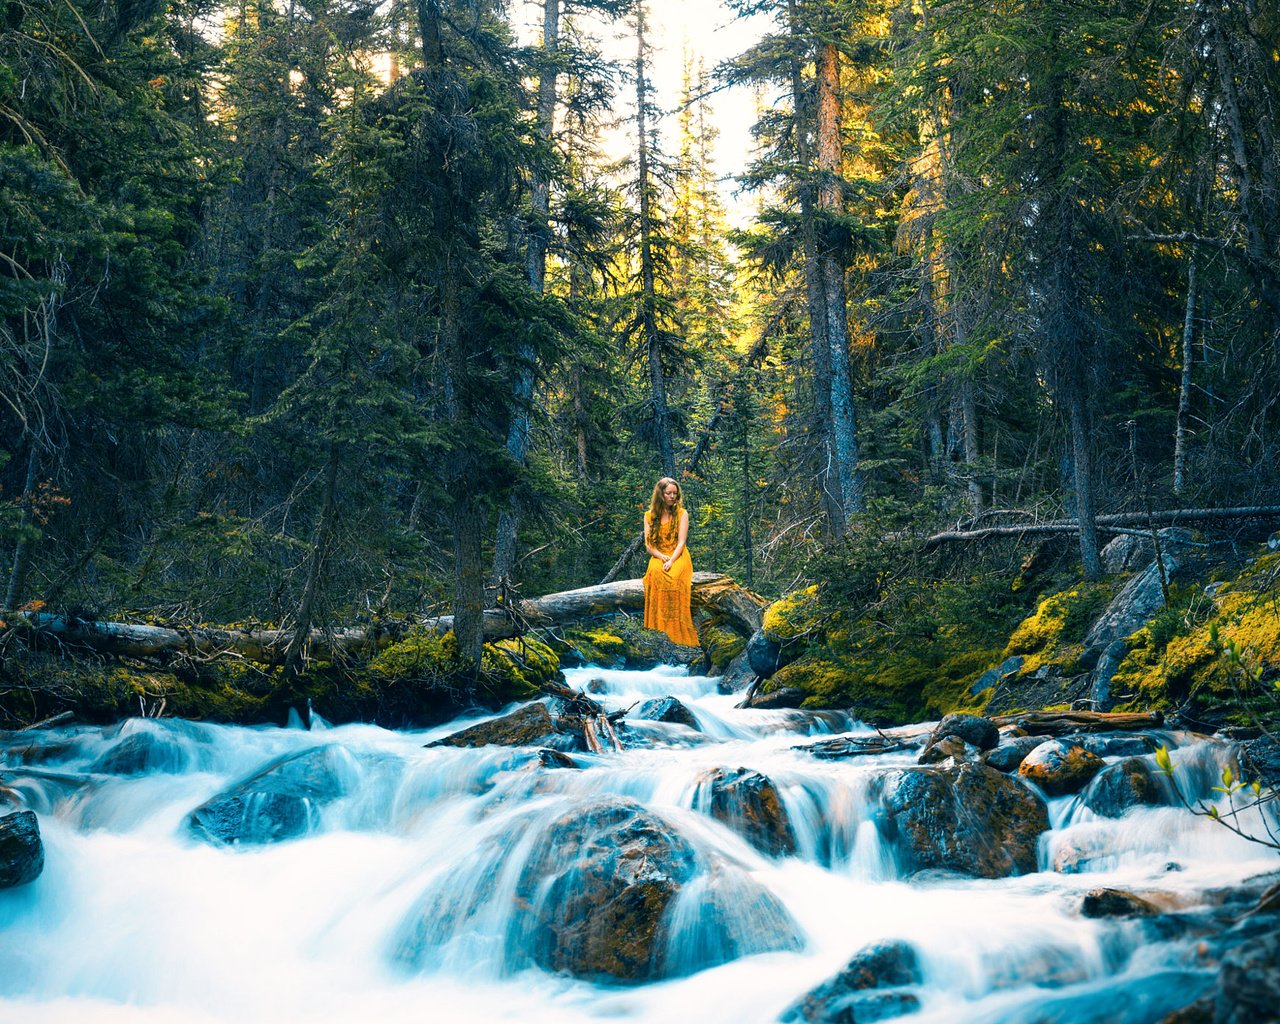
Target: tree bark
(718,593)
(815,286)
(1184,389)
(315,569)
(1108,523)
(844,426)
(22,548)
(504,558)
(1086,509)
(648,286)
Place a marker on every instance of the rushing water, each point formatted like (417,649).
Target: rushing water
(135,920)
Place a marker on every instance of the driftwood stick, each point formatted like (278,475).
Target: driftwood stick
(1058,723)
(608,732)
(44,723)
(592,736)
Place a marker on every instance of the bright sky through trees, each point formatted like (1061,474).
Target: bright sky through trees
(679,30)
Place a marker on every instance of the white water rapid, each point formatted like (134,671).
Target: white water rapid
(401,905)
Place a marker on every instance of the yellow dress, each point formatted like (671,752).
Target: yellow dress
(666,594)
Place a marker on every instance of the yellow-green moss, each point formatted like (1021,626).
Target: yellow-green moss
(722,645)
(1053,634)
(795,616)
(419,654)
(596,646)
(518,667)
(1163,676)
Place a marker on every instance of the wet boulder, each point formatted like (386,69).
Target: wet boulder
(1060,767)
(738,674)
(748,803)
(665,709)
(1114,744)
(604,889)
(784,697)
(978,732)
(1011,752)
(1120,786)
(142,753)
(1260,761)
(1116,903)
(1249,984)
(766,656)
(21,851)
(949,750)
(530,725)
(974,729)
(970,819)
(869,988)
(281,801)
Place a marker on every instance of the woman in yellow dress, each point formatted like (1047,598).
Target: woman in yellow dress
(669,579)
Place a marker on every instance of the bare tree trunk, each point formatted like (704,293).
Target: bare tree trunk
(972,452)
(504,559)
(815,287)
(466,516)
(844,427)
(1184,390)
(22,549)
(1086,508)
(315,568)
(648,295)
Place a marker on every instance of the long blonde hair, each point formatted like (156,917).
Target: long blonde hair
(657,505)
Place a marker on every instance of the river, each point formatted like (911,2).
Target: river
(400,905)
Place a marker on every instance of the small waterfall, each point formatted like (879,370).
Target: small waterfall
(502,883)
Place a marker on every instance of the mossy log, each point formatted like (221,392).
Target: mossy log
(1062,723)
(267,646)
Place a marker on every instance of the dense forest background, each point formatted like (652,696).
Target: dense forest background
(322,311)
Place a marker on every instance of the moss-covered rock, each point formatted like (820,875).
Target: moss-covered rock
(1179,654)
(795,617)
(101,692)
(722,646)
(1055,632)
(516,668)
(595,645)
(892,688)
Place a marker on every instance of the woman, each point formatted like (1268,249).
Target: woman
(669,579)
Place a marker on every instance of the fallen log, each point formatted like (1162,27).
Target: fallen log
(1170,517)
(1060,723)
(267,646)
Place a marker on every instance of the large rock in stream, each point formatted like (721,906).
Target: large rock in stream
(608,892)
(870,988)
(530,725)
(618,894)
(1120,786)
(1060,767)
(281,801)
(749,803)
(970,819)
(21,851)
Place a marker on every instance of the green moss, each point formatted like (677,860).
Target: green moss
(515,669)
(595,646)
(796,616)
(722,644)
(1175,657)
(420,654)
(1053,634)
